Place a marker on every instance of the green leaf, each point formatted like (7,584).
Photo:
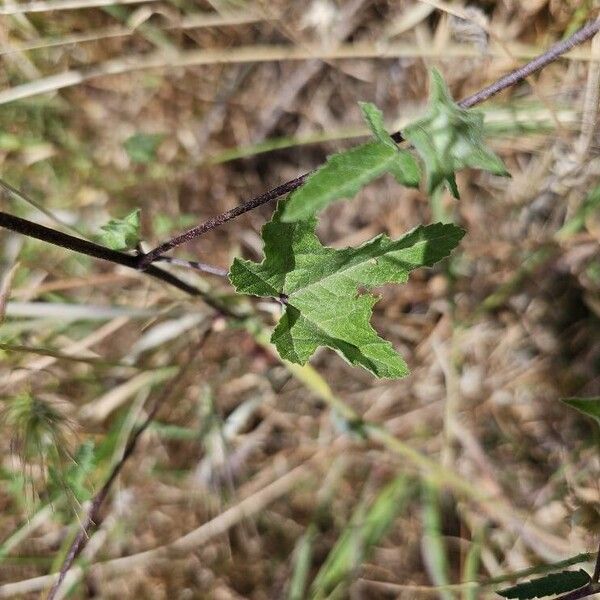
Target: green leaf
(550,585)
(587,406)
(141,147)
(122,234)
(344,174)
(319,288)
(405,169)
(374,118)
(450,138)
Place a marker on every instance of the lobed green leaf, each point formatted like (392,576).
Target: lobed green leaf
(319,287)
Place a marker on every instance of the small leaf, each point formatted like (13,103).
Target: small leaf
(550,585)
(405,169)
(450,138)
(374,118)
(319,288)
(141,147)
(122,234)
(587,406)
(342,176)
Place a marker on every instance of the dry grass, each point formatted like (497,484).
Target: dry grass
(256,466)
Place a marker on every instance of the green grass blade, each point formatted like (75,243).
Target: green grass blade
(367,527)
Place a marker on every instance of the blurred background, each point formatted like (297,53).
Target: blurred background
(253,481)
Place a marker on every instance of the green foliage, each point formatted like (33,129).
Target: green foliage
(549,585)
(367,527)
(450,138)
(122,234)
(319,287)
(141,147)
(344,174)
(588,406)
(374,119)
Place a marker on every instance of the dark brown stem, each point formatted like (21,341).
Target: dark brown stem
(514,77)
(144,261)
(92,517)
(70,242)
(585,33)
(217,221)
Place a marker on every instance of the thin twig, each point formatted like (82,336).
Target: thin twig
(91,519)
(219,220)
(21,196)
(498,86)
(194,264)
(70,242)
(144,261)
(585,33)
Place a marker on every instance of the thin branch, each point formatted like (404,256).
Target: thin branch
(194,264)
(91,519)
(219,220)
(22,197)
(143,262)
(587,32)
(516,76)
(70,242)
